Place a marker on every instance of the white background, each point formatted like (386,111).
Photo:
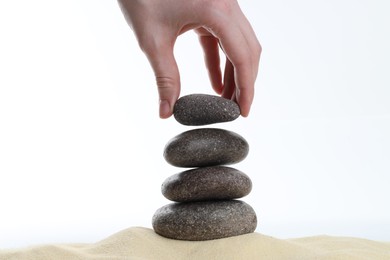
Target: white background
(81,142)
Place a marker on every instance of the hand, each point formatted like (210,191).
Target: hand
(219,23)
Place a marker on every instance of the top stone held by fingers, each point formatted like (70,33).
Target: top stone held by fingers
(202,109)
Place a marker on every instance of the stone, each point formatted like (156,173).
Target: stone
(207,183)
(206,147)
(202,109)
(206,220)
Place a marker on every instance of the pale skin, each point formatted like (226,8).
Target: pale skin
(218,23)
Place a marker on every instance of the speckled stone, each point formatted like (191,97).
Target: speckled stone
(207,183)
(205,220)
(206,147)
(202,109)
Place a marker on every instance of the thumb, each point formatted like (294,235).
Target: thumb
(165,69)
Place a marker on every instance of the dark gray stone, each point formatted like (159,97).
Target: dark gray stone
(202,109)
(206,147)
(205,220)
(207,183)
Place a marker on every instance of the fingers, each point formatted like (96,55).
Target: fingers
(243,69)
(242,49)
(230,90)
(211,55)
(229,84)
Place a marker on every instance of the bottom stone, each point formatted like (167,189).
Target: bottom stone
(204,220)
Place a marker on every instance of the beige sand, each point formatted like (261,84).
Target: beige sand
(142,243)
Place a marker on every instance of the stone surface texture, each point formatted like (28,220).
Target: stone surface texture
(202,109)
(206,147)
(198,221)
(207,183)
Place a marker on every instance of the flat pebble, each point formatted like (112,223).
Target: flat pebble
(202,109)
(206,147)
(207,183)
(197,221)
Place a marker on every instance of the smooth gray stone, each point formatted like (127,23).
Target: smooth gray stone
(207,183)
(197,221)
(202,109)
(206,147)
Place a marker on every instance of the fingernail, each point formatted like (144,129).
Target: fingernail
(165,109)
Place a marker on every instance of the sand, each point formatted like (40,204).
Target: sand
(143,243)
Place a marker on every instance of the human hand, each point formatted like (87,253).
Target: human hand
(218,23)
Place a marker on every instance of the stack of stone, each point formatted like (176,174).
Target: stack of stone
(205,197)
